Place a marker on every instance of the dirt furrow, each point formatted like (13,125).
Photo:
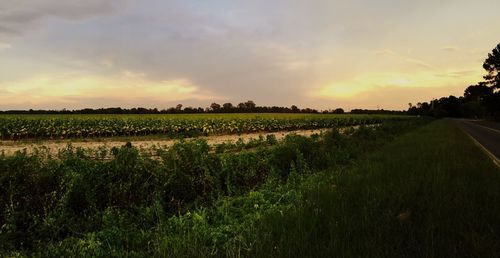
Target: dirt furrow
(9,148)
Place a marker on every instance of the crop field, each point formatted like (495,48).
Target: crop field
(264,197)
(55,200)
(17,127)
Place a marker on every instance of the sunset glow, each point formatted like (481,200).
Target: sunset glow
(319,54)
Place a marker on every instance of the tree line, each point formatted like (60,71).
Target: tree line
(478,101)
(244,107)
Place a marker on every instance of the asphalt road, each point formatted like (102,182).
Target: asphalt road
(486,133)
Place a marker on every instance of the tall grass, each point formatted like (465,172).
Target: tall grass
(190,202)
(430,193)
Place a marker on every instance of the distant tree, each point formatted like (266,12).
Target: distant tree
(338,111)
(473,109)
(214,106)
(449,107)
(242,106)
(227,106)
(250,105)
(178,107)
(309,110)
(477,92)
(189,110)
(295,109)
(492,66)
(425,107)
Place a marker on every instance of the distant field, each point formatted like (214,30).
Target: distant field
(17,127)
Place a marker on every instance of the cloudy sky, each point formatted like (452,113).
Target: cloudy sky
(312,53)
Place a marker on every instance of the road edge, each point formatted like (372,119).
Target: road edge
(495,160)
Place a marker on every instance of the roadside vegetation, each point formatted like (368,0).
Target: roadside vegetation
(430,193)
(409,188)
(195,200)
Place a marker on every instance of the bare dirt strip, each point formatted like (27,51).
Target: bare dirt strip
(11,147)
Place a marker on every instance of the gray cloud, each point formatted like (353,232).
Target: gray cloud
(18,16)
(8,31)
(273,52)
(235,60)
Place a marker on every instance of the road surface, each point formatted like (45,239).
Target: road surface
(485,133)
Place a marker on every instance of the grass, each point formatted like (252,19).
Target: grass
(190,202)
(430,193)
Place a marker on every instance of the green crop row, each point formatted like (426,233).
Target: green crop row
(76,205)
(15,127)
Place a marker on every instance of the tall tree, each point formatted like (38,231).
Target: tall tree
(492,66)
(250,105)
(214,106)
(478,92)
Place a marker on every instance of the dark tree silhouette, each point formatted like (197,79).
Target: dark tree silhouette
(250,105)
(478,92)
(214,107)
(227,106)
(481,100)
(492,66)
(246,107)
(338,111)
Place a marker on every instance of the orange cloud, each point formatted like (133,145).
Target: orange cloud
(425,84)
(129,86)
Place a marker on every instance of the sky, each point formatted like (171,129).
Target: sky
(321,54)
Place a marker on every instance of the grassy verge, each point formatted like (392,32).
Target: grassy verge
(374,192)
(430,193)
(189,202)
